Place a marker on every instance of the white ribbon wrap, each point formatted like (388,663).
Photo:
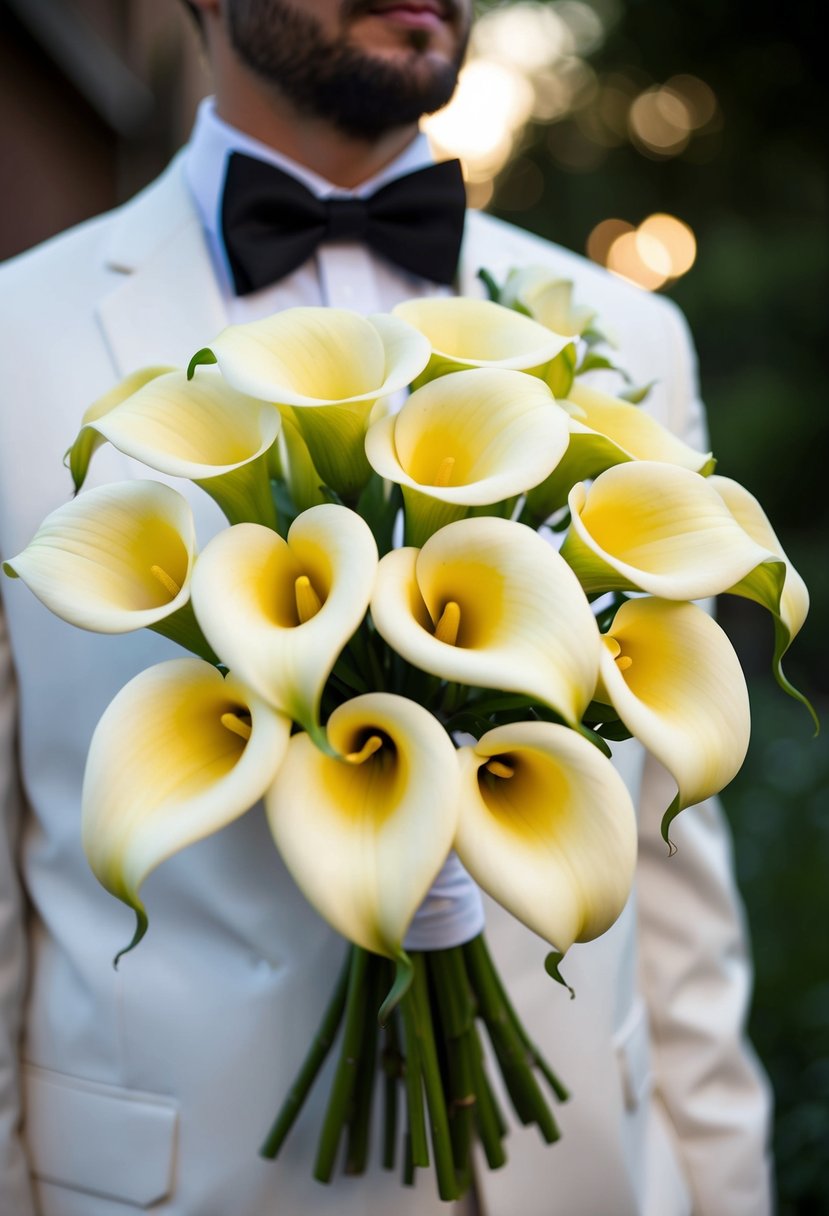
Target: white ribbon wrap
(451,914)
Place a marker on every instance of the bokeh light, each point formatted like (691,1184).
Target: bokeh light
(661,249)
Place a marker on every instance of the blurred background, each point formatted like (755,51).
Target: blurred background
(682,146)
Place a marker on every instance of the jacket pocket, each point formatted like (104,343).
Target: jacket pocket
(117,1143)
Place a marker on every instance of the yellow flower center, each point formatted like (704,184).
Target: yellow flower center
(237,724)
(623,662)
(372,744)
(169,584)
(308,603)
(444,473)
(447,627)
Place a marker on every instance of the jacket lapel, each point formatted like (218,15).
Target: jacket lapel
(168,303)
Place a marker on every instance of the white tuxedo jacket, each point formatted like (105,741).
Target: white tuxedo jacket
(151,1087)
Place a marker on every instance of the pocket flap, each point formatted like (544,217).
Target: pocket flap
(118,1143)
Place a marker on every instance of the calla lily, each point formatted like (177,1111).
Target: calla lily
(673,678)
(279,612)
(331,365)
(547,299)
(89,439)
(547,827)
(296,466)
(469,439)
(659,528)
(364,834)
(466,333)
(178,754)
(605,431)
(117,558)
(780,590)
(201,430)
(489,603)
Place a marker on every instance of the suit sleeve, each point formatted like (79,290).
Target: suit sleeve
(696,970)
(15,1191)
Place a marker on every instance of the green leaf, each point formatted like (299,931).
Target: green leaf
(492,288)
(205,355)
(552,966)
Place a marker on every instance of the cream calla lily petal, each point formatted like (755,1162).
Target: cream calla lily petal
(673,678)
(782,592)
(247,601)
(471,438)
(117,558)
(365,834)
(659,528)
(197,428)
(89,440)
(179,753)
(606,431)
(523,623)
(547,299)
(331,365)
(466,333)
(547,827)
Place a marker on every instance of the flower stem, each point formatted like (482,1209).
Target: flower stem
(342,1087)
(417,1150)
(433,1084)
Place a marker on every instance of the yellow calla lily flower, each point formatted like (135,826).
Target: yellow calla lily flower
(178,754)
(547,827)
(781,590)
(673,678)
(659,528)
(331,365)
(279,612)
(364,834)
(487,602)
(471,438)
(605,431)
(466,333)
(89,439)
(547,299)
(202,430)
(117,558)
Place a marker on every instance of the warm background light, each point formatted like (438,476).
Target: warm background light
(528,64)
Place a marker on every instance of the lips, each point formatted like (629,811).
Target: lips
(415,8)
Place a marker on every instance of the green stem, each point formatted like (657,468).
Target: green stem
(416,1147)
(392,1061)
(490,1122)
(320,1047)
(342,1088)
(514,1060)
(359,1125)
(433,1084)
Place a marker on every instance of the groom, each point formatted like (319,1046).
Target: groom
(150,1087)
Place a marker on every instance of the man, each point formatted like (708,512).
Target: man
(150,1087)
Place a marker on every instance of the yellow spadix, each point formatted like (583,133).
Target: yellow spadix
(520,620)
(117,558)
(278,612)
(471,438)
(659,528)
(466,333)
(673,678)
(178,754)
(365,834)
(331,365)
(547,827)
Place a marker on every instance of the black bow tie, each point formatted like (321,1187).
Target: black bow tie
(271,223)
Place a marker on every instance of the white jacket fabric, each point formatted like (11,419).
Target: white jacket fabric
(151,1087)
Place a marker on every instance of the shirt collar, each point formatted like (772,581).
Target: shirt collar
(213,140)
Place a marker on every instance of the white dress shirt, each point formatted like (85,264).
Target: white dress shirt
(341,275)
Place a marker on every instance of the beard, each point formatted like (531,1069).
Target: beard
(361,94)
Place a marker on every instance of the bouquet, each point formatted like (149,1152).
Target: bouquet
(388,647)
